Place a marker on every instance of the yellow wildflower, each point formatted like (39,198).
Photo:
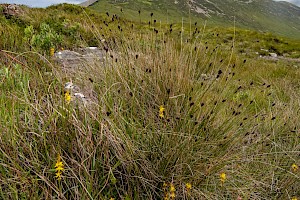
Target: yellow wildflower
(223,177)
(67,97)
(59,167)
(51,52)
(166,197)
(172,195)
(165,184)
(188,186)
(161,111)
(112,198)
(294,198)
(172,188)
(295,167)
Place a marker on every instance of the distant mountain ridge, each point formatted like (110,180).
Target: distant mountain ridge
(278,17)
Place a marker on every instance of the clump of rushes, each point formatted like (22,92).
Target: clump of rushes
(59,168)
(222,178)
(295,167)
(161,111)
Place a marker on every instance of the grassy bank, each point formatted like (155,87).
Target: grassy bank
(169,115)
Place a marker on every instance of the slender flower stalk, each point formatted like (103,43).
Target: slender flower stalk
(67,97)
(188,187)
(222,178)
(51,52)
(161,111)
(172,191)
(59,168)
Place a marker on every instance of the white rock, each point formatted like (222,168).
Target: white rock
(69,85)
(80,95)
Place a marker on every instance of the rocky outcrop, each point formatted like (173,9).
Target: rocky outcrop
(11,10)
(88,3)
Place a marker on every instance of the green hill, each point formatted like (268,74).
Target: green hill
(281,18)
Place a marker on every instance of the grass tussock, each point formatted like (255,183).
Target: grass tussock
(168,117)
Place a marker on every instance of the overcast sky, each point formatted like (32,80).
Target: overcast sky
(41,3)
(45,3)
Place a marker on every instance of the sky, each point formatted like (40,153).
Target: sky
(41,3)
(45,3)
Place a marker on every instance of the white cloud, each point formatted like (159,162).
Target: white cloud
(41,3)
(45,3)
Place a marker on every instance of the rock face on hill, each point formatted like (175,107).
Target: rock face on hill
(88,3)
(11,10)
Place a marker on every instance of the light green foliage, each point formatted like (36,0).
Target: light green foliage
(47,38)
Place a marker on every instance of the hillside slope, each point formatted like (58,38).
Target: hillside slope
(263,15)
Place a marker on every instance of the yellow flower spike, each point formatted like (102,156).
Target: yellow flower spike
(295,167)
(166,197)
(161,111)
(294,198)
(172,195)
(223,177)
(67,97)
(51,52)
(165,184)
(172,188)
(188,186)
(59,167)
